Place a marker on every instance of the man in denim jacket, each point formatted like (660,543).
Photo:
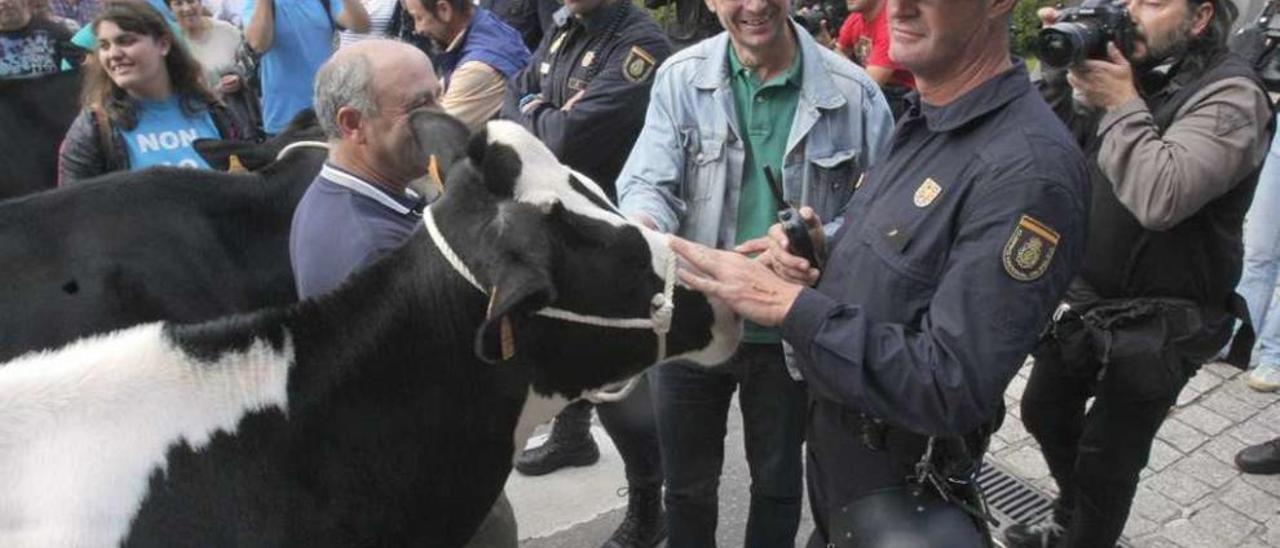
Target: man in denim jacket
(762,94)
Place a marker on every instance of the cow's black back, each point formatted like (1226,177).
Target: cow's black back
(132,247)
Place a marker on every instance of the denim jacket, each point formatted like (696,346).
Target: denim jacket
(685,171)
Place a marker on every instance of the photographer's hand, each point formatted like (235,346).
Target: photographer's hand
(824,36)
(1106,84)
(1048,16)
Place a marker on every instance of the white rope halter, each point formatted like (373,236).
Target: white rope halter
(300,144)
(659,321)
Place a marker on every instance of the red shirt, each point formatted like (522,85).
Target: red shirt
(870,45)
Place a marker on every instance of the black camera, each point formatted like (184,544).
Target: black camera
(1083,32)
(810,15)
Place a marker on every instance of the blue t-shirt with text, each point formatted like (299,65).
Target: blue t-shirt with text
(164,135)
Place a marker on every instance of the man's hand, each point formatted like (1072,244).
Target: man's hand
(568,105)
(824,36)
(746,285)
(229,83)
(1106,84)
(531,103)
(1048,16)
(774,253)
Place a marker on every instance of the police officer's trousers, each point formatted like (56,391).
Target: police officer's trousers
(1096,456)
(860,496)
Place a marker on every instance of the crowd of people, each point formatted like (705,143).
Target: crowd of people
(1113,220)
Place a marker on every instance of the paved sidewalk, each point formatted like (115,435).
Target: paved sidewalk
(1191,496)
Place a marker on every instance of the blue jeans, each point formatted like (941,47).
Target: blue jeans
(1262,258)
(693,407)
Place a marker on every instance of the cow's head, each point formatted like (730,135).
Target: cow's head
(552,239)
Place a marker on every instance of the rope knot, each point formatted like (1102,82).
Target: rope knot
(663,312)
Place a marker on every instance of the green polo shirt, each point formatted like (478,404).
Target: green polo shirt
(765,111)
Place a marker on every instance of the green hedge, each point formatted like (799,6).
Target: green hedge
(1026,25)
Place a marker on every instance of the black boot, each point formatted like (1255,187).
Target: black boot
(570,444)
(645,525)
(1263,458)
(1043,534)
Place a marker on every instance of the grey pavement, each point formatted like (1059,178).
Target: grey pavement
(1191,496)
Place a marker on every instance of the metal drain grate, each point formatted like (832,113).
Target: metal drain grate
(1012,500)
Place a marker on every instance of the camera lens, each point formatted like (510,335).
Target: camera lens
(1061,44)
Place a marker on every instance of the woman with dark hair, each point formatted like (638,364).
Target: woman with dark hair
(144,99)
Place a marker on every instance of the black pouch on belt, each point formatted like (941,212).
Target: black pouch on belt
(1148,348)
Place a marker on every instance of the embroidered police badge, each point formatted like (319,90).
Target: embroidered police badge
(1029,250)
(928,191)
(638,65)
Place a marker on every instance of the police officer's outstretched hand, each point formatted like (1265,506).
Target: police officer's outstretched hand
(773,249)
(749,287)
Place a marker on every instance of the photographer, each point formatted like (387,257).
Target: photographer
(1176,135)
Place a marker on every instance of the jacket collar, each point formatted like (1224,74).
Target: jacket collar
(977,102)
(816,85)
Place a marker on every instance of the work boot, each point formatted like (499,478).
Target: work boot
(1044,534)
(644,525)
(1263,458)
(570,444)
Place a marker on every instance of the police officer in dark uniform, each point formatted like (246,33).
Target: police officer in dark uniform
(584,94)
(954,252)
(586,89)
(1175,134)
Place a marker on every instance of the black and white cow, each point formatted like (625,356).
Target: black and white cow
(365,417)
(164,243)
(34,116)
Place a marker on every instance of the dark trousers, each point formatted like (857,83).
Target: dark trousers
(860,496)
(630,424)
(693,408)
(1096,456)
(634,431)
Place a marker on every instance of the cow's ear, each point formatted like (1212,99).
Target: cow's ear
(520,288)
(499,164)
(215,152)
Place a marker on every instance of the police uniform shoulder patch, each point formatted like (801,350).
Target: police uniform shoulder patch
(1030,249)
(638,65)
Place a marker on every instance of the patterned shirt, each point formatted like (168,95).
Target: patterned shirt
(32,51)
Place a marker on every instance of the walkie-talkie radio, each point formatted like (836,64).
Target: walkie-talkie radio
(798,241)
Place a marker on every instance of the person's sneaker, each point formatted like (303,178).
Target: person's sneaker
(570,444)
(1264,378)
(1043,534)
(1263,458)
(644,525)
